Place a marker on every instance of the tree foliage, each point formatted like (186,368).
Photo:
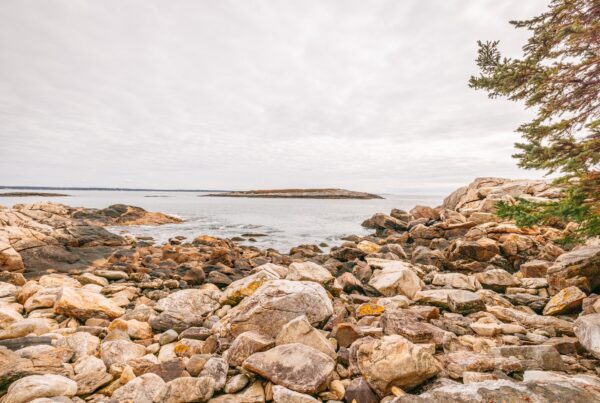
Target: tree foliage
(558,75)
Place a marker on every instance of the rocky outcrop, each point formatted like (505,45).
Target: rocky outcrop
(42,236)
(438,304)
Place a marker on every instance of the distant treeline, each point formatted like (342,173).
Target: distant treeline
(112,189)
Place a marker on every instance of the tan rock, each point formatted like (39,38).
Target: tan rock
(396,278)
(395,361)
(299,330)
(296,366)
(186,389)
(40,386)
(566,300)
(142,389)
(309,271)
(245,287)
(83,304)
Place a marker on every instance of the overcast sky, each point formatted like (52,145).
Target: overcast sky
(366,95)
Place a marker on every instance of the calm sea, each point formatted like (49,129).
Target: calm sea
(283,222)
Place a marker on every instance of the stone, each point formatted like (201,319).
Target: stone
(346,333)
(587,330)
(456,280)
(359,391)
(245,287)
(580,268)
(465,302)
(118,352)
(535,268)
(309,271)
(285,395)
(186,389)
(183,309)
(39,386)
(299,330)
(90,374)
(395,361)
(8,316)
(424,212)
(486,329)
(236,383)
(215,368)
(531,320)
(497,279)
(382,221)
(25,327)
(245,345)
(565,301)
(396,278)
(456,363)
(296,366)
(83,304)
(142,389)
(273,305)
(81,343)
(542,357)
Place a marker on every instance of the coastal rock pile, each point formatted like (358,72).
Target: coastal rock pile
(444,304)
(44,236)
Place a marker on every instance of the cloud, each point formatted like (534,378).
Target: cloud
(235,95)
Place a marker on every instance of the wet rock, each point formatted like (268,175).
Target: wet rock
(296,366)
(395,361)
(276,303)
(39,386)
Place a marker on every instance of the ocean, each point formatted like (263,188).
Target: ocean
(275,223)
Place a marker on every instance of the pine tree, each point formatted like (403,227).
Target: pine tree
(558,75)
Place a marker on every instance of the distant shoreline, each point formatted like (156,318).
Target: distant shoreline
(111,189)
(32,194)
(299,194)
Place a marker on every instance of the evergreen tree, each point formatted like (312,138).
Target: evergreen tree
(558,75)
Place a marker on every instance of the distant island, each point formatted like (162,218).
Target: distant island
(32,194)
(299,194)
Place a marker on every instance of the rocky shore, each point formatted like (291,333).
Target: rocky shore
(300,194)
(444,304)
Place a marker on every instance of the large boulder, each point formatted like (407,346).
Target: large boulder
(587,330)
(566,300)
(273,305)
(184,309)
(299,330)
(395,361)
(40,386)
(580,268)
(296,366)
(83,304)
(142,389)
(309,271)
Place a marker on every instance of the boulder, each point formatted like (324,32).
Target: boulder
(245,287)
(118,352)
(274,304)
(40,386)
(186,389)
(456,280)
(497,279)
(309,271)
(465,302)
(186,308)
(587,330)
(299,330)
(82,304)
(296,366)
(565,301)
(285,395)
(544,357)
(359,391)
(142,389)
(395,361)
(245,345)
(396,278)
(580,268)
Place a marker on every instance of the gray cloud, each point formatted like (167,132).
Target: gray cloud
(231,94)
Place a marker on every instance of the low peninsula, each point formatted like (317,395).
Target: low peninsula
(32,194)
(299,194)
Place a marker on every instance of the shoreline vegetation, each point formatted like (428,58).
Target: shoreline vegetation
(446,303)
(299,194)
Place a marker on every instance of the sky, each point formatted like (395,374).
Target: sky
(214,94)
